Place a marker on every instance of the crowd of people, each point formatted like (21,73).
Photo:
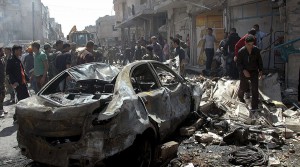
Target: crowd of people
(36,64)
(40,64)
(242,59)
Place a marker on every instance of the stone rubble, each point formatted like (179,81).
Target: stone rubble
(223,121)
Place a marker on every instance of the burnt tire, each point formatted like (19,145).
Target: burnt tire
(142,152)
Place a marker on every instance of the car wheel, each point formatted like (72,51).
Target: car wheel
(143,151)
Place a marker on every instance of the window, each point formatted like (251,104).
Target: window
(114,29)
(167,77)
(142,79)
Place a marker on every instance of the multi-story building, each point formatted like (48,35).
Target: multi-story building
(23,20)
(55,30)
(93,30)
(137,18)
(106,33)
(170,17)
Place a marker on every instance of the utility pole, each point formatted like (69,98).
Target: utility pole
(32,21)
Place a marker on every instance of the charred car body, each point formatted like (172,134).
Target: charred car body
(93,111)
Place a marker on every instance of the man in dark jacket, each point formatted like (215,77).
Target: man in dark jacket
(16,73)
(2,83)
(250,66)
(181,53)
(63,60)
(230,46)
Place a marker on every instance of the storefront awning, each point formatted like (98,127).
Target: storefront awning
(131,21)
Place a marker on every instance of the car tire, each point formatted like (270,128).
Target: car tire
(143,151)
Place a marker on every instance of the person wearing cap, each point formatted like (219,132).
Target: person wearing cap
(209,41)
(41,65)
(157,49)
(16,73)
(149,54)
(250,65)
(2,82)
(86,56)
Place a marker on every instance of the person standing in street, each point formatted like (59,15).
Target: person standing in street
(166,50)
(181,54)
(41,65)
(209,41)
(16,73)
(63,60)
(157,49)
(149,54)
(259,36)
(2,83)
(250,66)
(139,52)
(29,67)
(230,46)
(9,88)
(86,56)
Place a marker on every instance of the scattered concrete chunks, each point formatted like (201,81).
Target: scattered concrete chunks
(168,150)
(204,138)
(198,123)
(293,124)
(187,131)
(286,133)
(289,113)
(274,161)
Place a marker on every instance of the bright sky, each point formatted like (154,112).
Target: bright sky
(78,12)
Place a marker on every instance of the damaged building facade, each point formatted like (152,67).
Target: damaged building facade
(106,33)
(137,18)
(19,23)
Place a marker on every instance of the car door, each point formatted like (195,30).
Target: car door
(178,92)
(155,98)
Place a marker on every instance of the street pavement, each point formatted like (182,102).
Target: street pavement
(9,151)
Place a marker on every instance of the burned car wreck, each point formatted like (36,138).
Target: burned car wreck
(91,112)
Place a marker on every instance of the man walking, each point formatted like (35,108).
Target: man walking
(2,83)
(230,46)
(41,65)
(250,66)
(209,41)
(16,73)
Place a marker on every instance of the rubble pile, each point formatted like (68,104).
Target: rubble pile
(228,133)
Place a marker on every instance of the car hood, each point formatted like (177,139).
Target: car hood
(94,71)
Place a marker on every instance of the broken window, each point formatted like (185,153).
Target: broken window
(167,77)
(142,79)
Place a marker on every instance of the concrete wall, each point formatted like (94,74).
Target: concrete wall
(293,32)
(105,32)
(243,16)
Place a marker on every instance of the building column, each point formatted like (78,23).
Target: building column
(193,41)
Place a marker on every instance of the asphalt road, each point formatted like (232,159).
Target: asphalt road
(10,155)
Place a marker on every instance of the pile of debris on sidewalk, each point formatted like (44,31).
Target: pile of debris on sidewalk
(227,133)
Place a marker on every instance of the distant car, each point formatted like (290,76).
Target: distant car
(91,112)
